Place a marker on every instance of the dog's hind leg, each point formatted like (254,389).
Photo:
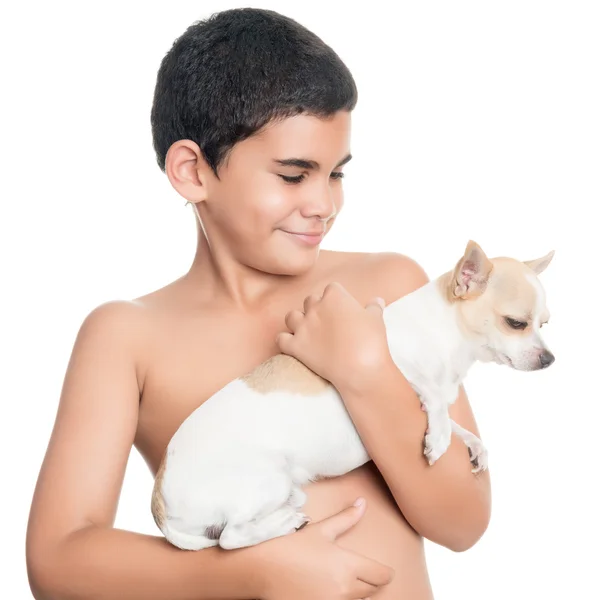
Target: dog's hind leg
(263,503)
(282,521)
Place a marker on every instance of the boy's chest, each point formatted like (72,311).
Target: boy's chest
(188,359)
(186,365)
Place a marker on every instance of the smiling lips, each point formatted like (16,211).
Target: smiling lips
(311,238)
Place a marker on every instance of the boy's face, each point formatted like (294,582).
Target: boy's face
(259,204)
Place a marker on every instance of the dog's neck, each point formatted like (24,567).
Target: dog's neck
(433,323)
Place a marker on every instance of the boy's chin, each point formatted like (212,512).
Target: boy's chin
(284,263)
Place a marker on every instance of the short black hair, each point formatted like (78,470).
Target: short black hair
(231,74)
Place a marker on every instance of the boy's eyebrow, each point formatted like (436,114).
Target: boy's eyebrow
(307,164)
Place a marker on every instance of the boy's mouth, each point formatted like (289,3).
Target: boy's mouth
(310,238)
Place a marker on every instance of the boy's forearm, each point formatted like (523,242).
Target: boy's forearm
(446,502)
(114,564)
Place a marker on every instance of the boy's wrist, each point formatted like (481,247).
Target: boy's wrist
(364,383)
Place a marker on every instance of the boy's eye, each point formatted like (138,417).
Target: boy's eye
(295,179)
(298,178)
(515,324)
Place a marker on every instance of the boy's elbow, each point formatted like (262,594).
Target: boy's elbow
(465,534)
(457,540)
(471,515)
(38,574)
(458,530)
(43,572)
(464,541)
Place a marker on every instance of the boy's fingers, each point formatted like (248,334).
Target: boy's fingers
(284,341)
(339,523)
(293,319)
(373,572)
(310,301)
(363,590)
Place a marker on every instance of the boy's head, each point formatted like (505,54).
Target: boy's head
(237,94)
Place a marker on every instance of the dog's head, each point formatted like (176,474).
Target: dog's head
(501,306)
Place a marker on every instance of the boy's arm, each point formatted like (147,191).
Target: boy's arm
(445,503)
(72,549)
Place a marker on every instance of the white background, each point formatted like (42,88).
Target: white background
(475,120)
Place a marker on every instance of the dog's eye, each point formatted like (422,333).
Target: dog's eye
(515,324)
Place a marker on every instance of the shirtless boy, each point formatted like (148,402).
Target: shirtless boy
(251,123)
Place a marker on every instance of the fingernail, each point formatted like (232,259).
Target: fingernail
(359,502)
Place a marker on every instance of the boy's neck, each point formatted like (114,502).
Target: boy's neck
(215,276)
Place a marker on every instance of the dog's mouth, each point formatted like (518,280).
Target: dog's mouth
(505,359)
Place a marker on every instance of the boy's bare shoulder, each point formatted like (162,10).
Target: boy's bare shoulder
(399,263)
(122,316)
(130,322)
(390,275)
(116,323)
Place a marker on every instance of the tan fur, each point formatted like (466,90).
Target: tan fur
(509,294)
(539,264)
(285,373)
(446,290)
(505,269)
(473,252)
(158,502)
(520,296)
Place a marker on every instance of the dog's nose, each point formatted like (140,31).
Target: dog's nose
(546,359)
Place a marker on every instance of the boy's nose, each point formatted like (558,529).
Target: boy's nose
(546,359)
(323,207)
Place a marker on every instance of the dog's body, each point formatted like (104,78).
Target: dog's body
(233,472)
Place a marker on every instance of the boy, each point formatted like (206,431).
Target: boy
(251,124)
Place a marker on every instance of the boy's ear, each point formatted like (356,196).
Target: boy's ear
(188,171)
(471,273)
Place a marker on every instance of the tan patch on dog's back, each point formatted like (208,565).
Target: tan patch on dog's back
(158,502)
(285,373)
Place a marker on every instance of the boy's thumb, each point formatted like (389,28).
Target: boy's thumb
(334,526)
(376,304)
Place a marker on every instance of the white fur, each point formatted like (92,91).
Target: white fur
(241,458)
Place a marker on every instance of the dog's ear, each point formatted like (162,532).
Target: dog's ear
(540,264)
(471,273)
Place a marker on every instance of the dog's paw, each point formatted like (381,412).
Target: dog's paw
(293,521)
(302,520)
(436,444)
(283,521)
(477,454)
(290,522)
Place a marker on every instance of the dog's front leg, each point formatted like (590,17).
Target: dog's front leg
(439,433)
(439,429)
(477,451)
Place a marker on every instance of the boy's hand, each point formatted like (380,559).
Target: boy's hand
(309,565)
(337,338)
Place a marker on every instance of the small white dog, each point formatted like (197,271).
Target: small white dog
(233,472)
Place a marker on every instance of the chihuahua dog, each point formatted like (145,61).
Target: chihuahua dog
(233,472)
